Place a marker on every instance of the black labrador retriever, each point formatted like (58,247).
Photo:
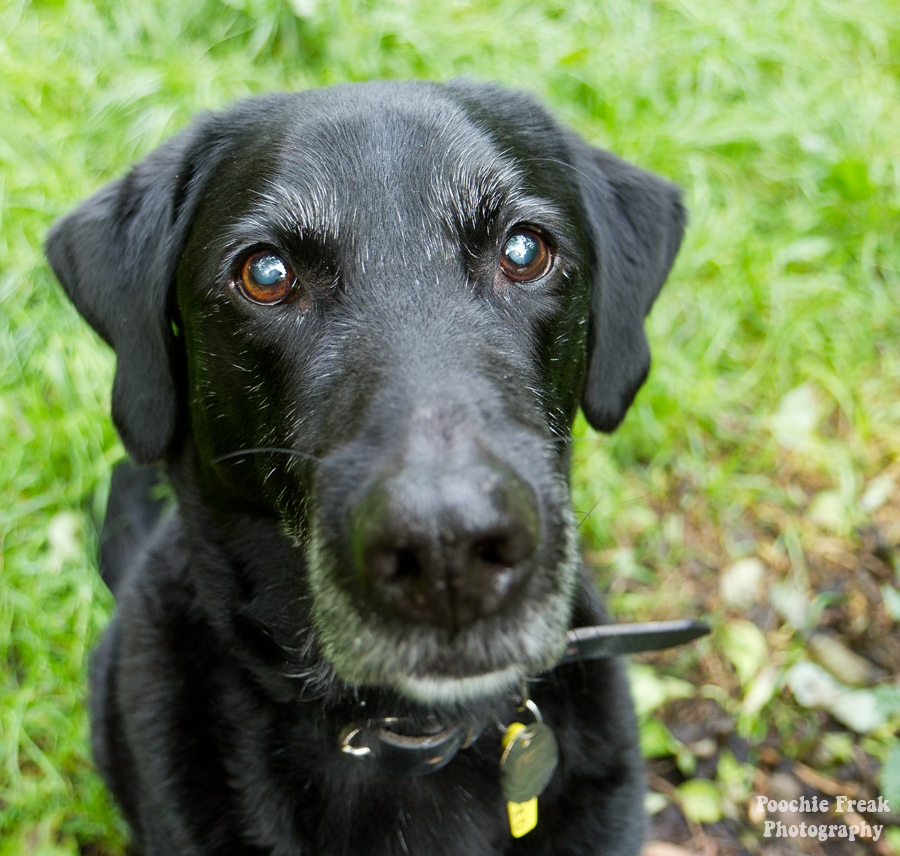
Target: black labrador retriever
(355,325)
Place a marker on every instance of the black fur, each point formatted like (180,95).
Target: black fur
(371,478)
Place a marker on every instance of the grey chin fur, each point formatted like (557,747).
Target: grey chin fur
(420,661)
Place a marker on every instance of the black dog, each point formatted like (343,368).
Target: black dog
(355,325)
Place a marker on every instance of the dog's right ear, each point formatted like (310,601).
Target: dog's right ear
(116,256)
(636,221)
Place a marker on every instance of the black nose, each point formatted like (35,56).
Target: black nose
(445,546)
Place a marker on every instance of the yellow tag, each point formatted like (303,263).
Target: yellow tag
(522,817)
(511,732)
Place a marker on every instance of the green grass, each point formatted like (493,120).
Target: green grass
(781,122)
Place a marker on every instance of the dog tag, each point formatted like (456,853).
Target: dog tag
(522,817)
(530,755)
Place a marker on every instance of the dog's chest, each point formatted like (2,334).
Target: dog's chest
(340,805)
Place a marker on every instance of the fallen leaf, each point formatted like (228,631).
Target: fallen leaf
(811,685)
(877,493)
(829,510)
(791,602)
(890,777)
(822,783)
(761,691)
(845,665)
(859,710)
(654,802)
(755,812)
(891,598)
(700,800)
(745,646)
(741,583)
(796,418)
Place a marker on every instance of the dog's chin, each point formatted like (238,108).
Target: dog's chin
(441,690)
(436,667)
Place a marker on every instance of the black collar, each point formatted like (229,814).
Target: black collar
(611,640)
(382,742)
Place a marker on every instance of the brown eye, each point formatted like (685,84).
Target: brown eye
(267,278)
(525,256)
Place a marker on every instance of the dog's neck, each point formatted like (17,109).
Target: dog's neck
(395,748)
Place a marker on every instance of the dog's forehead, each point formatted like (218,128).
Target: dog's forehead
(388,136)
(382,158)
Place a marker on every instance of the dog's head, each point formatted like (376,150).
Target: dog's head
(368,315)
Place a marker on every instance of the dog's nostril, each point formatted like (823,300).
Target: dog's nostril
(491,551)
(392,565)
(406,565)
(500,550)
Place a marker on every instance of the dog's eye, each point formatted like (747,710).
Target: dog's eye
(526,256)
(267,278)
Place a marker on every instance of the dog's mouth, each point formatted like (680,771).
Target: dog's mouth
(450,690)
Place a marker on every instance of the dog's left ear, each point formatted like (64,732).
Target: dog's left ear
(115,256)
(635,222)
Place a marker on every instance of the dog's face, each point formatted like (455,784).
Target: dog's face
(369,315)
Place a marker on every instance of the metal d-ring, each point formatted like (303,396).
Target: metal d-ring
(533,709)
(349,748)
(526,704)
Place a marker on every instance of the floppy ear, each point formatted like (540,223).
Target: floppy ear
(115,256)
(635,222)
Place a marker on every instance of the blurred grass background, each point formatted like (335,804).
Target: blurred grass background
(756,479)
